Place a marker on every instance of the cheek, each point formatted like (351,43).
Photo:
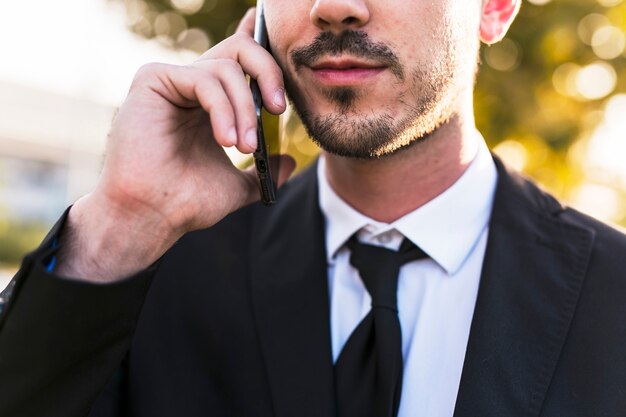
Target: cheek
(432,21)
(286,24)
(464,18)
(410,28)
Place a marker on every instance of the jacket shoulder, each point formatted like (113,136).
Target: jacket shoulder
(609,241)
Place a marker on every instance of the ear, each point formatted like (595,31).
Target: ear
(496,18)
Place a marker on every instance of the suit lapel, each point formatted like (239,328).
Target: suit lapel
(532,274)
(533,271)
(290,296)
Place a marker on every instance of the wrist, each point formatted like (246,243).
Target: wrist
(106,242)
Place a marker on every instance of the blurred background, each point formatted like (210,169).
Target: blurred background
(550,100)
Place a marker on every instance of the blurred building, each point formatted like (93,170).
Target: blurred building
(50,151)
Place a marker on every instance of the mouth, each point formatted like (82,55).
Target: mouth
(345,71)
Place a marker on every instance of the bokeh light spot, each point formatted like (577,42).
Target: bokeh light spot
(194,39)
(135,11)
(187,6)
(169,24)
(589,24)
(209,5)
(513,153)
(564,79)
(609,3)
(503,56)
(596,81)
(600,201)
(607,146)
(608,42)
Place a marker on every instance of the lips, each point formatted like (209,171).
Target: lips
(345,71)
(344,64)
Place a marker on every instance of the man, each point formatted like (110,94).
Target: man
(515,306)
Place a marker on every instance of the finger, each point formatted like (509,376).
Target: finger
(185,85)
(256,62)
(246,25)
(235,85)
(237,89)
(215,102)
(270,80)
(179,86)
(221,89)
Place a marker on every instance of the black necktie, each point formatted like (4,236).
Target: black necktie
(368,373)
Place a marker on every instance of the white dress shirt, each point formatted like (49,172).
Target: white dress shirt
(436,296)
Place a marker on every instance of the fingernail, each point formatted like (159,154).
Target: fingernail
(251,138)
(279,98)
(232,136)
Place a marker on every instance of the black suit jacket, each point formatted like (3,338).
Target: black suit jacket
(236,321)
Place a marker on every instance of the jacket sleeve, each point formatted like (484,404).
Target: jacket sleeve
(61,340)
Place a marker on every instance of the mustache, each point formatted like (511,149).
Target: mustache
(351,42)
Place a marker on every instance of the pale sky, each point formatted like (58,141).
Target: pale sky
(79,48)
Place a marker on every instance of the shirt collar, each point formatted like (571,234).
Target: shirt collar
(446,228)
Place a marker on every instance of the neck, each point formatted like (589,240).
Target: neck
(379,188)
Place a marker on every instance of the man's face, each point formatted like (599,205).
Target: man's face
(369,77)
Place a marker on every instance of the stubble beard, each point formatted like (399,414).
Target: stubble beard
(428,103)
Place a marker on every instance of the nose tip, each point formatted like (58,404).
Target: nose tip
(337,15)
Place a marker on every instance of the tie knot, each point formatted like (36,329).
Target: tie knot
(379,269)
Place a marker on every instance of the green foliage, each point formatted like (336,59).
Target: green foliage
(168,20)
(522,90)
(17,239)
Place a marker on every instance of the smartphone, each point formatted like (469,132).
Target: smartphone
(266,170)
